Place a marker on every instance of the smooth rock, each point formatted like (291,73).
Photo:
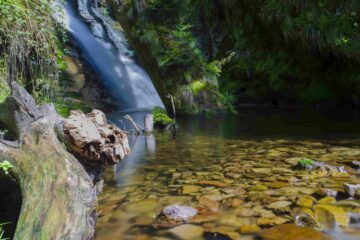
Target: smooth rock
(279,205)
(305,201)
(207,202)
(246,229)
(270,221)
(189,189)
(305,217)
(330,216)
(175,215)
(187,231)
(351,189)
(292,232)
(213,183)
(326,200)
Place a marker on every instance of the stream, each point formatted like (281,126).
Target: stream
(242,168)
(240,173)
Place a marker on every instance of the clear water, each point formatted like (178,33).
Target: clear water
(162,171)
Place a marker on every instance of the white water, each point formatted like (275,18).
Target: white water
(127,82)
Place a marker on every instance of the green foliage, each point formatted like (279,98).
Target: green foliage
(306,162)
(161,119)
(30,45)
(301,51)
(4,87)
(6,166)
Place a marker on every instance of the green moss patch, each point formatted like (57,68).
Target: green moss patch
(161,118)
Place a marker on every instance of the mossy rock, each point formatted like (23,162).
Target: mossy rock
(161,118)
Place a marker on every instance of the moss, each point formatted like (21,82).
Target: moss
(161,118)
(64,108)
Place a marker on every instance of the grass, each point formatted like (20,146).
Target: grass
(2,232)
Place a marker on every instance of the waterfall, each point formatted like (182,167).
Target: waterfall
(106,50)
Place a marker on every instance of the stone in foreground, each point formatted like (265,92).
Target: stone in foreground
(291,232)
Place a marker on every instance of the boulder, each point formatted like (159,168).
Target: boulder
(175,215)
(92,139)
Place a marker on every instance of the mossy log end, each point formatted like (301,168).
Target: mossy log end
(58,196)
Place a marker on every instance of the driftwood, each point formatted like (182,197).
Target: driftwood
(58,195)
(93,140)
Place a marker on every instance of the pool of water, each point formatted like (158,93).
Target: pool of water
(241,170)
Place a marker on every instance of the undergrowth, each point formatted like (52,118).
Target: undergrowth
(30,47)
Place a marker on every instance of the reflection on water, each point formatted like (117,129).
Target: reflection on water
(242,167)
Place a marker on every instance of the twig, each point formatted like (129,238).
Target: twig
(137,127)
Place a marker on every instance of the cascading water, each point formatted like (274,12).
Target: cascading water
(106,50)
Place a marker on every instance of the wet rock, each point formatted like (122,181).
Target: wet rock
(190,189)
(293,161)
(291,191)
(246,212)
(208,202)
(347,203)
(246,229)
(214,197)
(234,221)
(187,231)
(236,202)
(305,217)
(270,221)
(213,183)
(260,211)
(323,192)
(262,170)
(305,201)
(175,215)
(204,215)
(327,200)
(281,170)
(277,184)
(331,217)
(279,205)
(291,232)
(351,189)
(143,206)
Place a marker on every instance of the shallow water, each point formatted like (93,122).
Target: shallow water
(237,166)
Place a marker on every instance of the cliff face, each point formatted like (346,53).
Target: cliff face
(218,53)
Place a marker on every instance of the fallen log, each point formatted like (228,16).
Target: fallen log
(58,195)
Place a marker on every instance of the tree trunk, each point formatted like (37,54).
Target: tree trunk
(58,196)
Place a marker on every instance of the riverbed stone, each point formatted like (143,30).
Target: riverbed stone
(305,201)
(305,217)
(291,232)
(143,206)
(330,216)
(174,215)
(270,221)
(279,205)
(208,202)
(327,200)
(246,229)
(351,189)
(212,183)
(187,231)
(190,189)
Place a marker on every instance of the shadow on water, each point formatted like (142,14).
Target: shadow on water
(275,123)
